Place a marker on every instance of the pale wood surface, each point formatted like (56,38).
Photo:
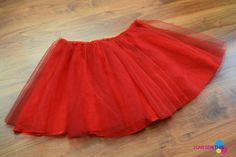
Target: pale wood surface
(27,28)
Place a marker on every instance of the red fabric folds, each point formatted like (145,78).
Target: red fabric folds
(116,86)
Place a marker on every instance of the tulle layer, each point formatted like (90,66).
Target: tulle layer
(116,86)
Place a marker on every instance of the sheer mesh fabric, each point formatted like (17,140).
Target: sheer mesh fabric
(116,86)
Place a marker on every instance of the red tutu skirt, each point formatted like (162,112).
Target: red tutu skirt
(116,86)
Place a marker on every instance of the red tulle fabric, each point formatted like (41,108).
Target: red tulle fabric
(116,86)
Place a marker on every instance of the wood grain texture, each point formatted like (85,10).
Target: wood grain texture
(27,28)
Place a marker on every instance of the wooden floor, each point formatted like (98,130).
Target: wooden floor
(28,27)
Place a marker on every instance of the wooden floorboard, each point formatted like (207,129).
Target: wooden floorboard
(27,28)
